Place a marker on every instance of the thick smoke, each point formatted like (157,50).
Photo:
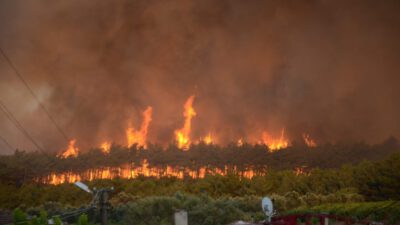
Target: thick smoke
(327,68)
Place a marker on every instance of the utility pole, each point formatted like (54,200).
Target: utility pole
(100,199)
(103,203)
(104,206)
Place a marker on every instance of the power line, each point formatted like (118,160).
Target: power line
(74,213)
(34,95)
(7,143)
(19,126)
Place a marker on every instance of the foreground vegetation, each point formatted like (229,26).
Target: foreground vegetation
(204,210)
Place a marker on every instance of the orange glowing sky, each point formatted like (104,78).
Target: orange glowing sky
(322,71)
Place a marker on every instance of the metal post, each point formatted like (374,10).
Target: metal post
(103,206)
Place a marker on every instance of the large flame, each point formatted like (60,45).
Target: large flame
(275,143)
(182,135)
(139,137)
(72,151)
(309,141)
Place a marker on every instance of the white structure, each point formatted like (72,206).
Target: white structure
(241,223)
(267,207)
(83,186)
(181,217)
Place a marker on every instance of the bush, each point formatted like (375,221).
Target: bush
(83,220)
(202,210)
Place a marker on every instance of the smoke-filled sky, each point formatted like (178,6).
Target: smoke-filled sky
(327,68)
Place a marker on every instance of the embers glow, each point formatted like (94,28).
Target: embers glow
(309,141)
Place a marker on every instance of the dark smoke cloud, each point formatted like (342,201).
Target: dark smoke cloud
(328,68)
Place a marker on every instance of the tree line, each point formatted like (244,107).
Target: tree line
(24,167)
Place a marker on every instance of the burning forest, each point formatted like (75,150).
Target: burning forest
(183,141)
(183,138)
(201,160)
(294,99)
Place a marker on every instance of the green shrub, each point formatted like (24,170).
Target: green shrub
(83,220)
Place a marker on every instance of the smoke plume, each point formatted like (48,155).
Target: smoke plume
(326,68)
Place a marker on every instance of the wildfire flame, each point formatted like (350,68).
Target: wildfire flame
(139,137)
(275,144)
(240,142)
(72,151)
(299,171)
(208,140)
(105,147)
(129,171)
(182,135)
(309,141)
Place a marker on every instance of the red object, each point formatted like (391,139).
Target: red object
(292,219)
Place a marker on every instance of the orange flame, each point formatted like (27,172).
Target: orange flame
(240,142)
(72,151)
(309,141)
(139,137)
(182,135)
(208,139)
(105,147)
(275,143)
(299,171)
(129,171)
